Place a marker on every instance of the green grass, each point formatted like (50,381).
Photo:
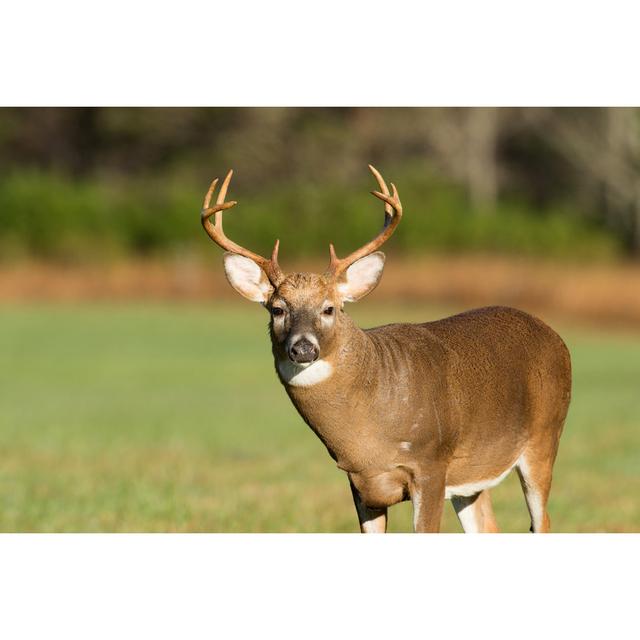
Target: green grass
(170,418)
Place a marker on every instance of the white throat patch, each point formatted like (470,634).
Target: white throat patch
(304,375)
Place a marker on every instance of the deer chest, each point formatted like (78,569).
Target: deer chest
(381,489)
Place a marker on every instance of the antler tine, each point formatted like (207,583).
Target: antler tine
(207,198)
(392,217)
(216,233)
(223,189)
(388,211)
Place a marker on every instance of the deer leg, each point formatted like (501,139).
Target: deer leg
(427,496)
(371,520)
(475,513)
(535,478)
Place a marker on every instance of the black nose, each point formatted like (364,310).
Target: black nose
(303,351)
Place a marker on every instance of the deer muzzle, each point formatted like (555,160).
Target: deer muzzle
(303,351)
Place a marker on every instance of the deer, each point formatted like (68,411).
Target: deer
(441,410)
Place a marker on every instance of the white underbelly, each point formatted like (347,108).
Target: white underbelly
(472,488)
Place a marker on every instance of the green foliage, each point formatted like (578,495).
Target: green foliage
(544,176)
(48,216)
(154,418)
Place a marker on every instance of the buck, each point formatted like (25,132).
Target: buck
(421,412)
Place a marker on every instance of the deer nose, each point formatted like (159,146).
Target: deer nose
(303,351)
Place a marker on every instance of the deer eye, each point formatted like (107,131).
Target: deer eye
(277,311)
(328,311)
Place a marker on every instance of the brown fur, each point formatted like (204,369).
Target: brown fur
(469,394)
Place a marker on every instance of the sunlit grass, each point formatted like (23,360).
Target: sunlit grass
(170,418)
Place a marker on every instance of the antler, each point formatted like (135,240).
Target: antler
(270,267)
(392,216)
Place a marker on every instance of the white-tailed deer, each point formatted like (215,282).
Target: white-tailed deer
(425,412)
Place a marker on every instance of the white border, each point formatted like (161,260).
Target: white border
(283,52)
(319,586)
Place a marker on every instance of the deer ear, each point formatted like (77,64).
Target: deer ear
(247,278)
(361,277)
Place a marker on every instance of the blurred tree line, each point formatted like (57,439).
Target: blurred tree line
(554,181)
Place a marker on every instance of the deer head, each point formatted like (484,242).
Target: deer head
(306,309)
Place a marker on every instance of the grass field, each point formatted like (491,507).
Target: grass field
(170,418)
